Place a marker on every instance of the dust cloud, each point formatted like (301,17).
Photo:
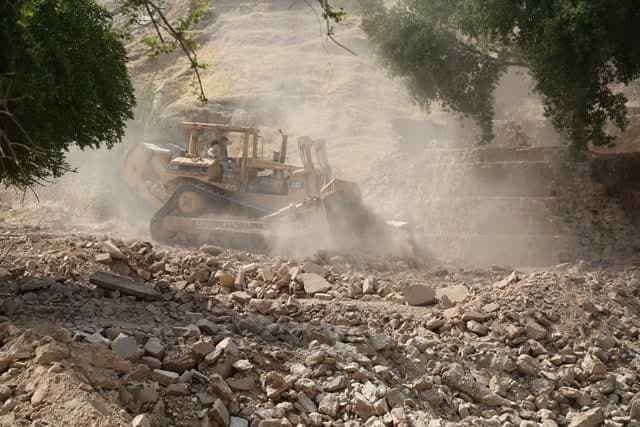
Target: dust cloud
(270,66)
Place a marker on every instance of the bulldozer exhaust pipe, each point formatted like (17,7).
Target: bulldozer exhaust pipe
(283,148)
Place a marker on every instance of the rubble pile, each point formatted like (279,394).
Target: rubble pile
(99,331)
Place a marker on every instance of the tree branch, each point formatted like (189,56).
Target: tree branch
(190,53)
(155,24)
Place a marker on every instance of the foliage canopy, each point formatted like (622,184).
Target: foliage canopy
(454,52)
(63,82)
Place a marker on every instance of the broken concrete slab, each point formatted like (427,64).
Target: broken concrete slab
(455,294)
(419,295)
(314,283)
(115,252)
(124,285)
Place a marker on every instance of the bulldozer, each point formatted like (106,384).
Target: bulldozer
(256,203)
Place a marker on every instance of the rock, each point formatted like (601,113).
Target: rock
(219,387)
(458,379)
(241,297)
(124,285)
(498,361)
(97,339)
(152,362)
(145,392)
(178,360)
(51,352)
(186,331)
(593,366)
(456,294)
(62,335)
(369,285)
(491,307)
(211,250)
(212,357)
(397,416)
(262,306)
(5,392)
(104,258)
(207,327)
(139,372)
(329,405)
(246,383)
(113,250)
(154,348)
(228,346)
(419,295)
(634,411)
(370,391)
(165,377)
(242,365)
(205,398)
(477,328)
(219,414)
(178,389)
(591,418)
(452,313)
(361,406)
(266,274)
(534,330)
(142,420)
(381,407)
(307,386)
(510,279)
(527,365)
(274,385)
(336,384)
(380,342)
(225,280)
(202,347)
(314,283)
(238,422)
(125,346)
(305,403)
(475,316)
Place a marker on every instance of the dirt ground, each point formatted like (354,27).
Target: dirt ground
(231,338)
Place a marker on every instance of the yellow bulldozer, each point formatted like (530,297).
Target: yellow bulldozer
(256,203)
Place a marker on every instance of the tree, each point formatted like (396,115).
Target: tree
(63,82)
(454,52)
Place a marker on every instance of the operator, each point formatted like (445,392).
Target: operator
(219,151)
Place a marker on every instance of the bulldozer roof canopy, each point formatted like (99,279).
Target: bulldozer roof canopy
(220,127)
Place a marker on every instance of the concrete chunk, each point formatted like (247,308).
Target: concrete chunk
(314,283)
(591,418)
(165,377)
(124,285)
(219,414)
(455,294)
(125,346)
(419,295)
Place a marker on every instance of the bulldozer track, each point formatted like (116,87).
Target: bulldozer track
(213,195)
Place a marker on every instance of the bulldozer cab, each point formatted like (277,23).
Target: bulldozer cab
(253,174)
(235,173)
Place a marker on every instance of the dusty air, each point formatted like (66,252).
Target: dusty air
(319,213)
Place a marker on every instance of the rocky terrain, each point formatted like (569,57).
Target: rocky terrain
(100,331)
